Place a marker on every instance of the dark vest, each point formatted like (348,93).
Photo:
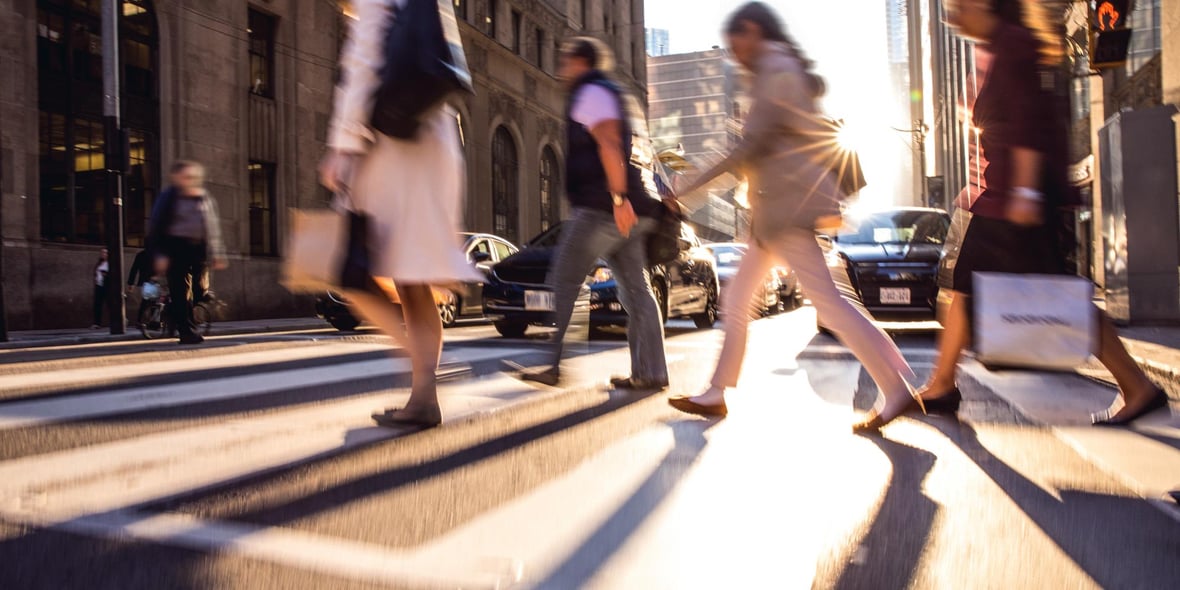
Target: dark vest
(586,183)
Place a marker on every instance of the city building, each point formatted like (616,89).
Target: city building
(657,42)
(246,88)
(695,110)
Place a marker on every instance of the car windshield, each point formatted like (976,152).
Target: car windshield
(547,238)
(727,256)
(898,227)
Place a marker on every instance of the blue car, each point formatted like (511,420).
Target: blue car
(516,295)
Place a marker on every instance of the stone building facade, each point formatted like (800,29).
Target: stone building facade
(246,88)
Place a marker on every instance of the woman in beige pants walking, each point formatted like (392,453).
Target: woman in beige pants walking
(792,192)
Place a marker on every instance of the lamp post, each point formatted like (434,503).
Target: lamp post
(113,161)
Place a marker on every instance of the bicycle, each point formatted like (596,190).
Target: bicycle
(154,321)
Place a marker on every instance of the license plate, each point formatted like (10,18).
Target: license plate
(895,296)
(538,300)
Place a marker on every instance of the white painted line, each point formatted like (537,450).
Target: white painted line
(67,484)
(89,375)
(335,557)
(93,405)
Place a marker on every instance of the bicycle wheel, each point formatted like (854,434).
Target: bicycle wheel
(152,322)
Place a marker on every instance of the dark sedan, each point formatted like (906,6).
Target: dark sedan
(888,260)
(517,296)
(464,301)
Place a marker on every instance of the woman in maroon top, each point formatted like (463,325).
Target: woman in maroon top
(1024,138)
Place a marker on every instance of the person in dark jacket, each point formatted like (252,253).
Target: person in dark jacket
(101,284)
(614,206)
(1013,230)
(184,237)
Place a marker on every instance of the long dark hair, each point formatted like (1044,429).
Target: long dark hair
(772,27)
(1035,17)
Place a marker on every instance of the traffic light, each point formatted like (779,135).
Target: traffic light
(1110,32)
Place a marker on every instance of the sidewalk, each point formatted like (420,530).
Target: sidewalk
(1156,349)
(46,338)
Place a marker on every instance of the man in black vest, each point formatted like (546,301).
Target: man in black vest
(614,205)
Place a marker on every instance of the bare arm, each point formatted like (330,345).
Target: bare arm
(609,136)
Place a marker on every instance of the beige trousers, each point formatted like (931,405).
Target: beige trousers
(849,322)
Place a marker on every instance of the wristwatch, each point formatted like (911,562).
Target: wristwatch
(618,199)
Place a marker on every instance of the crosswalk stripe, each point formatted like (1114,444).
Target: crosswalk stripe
(86,375)
(92,405)
(68,484)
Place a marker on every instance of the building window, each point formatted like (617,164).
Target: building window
(461,9)
(261,30)
(505,196)
(585,15)
(490,18)
(517,33)
(262,209)
(73,185)
(550,183)
(538,48)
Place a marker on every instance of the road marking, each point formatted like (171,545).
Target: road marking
(88,375)
(67,484)
(336,557)
(93,405)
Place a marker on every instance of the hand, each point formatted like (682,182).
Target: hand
(625,218)
(1025,212)
(130,288)
(220,264)
(337,170)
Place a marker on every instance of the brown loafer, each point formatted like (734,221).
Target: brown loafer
(686,405)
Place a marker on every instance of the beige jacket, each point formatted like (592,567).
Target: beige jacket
(785,150)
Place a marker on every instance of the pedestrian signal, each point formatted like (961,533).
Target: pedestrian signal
(1110,32)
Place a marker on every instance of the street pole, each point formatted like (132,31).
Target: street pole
(3,310)
(113,158)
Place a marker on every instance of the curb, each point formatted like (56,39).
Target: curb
(1166,376)
(134,335)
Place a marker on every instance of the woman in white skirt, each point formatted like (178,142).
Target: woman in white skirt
(413,191)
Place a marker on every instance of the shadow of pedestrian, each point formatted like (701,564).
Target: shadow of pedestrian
(587,560)
(888,554)
(1138,543)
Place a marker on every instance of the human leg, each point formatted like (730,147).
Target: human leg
(645,329)
(1139,394)
(586,236)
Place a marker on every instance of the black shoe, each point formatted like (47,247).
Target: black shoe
(550,377)
(192,339)
(1107,418)
(638,384)
(388,419)
(947,403)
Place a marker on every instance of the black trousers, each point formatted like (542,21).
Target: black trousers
(187,267)
(100,303)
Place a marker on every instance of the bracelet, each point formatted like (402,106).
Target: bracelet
(1028,194)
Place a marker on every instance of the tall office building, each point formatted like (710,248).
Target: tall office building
(657,42)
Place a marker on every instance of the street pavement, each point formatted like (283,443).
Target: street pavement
(250,462)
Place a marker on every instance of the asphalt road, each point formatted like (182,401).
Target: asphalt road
(250,463)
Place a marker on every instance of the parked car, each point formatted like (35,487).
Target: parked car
(517,295)
(889,261)
(779,290)
(465,301)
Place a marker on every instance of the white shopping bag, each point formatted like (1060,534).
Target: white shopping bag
(1034,321)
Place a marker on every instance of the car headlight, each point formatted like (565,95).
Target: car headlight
(602,275)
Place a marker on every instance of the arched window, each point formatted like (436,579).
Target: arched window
(505,193)
(550,189)
(72,161)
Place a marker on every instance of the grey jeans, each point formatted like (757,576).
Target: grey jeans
(587,236)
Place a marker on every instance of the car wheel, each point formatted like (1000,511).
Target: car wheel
(344,321)
(510,329)
(708,318)
(657,287)
(448,312)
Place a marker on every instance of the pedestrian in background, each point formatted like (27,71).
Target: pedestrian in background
(184,236)
(142,270)
(613,209)
(792,192)
(1013,228)
(413,192)
(101,269)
